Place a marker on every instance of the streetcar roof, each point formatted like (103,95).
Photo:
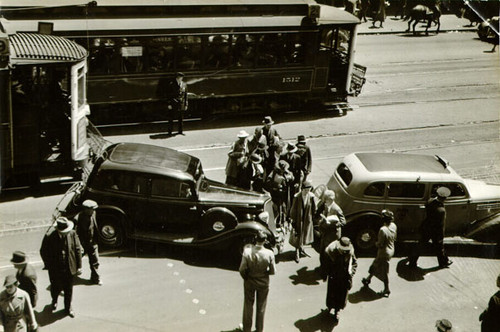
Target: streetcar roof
(30,48)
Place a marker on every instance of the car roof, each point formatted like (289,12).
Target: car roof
(147,158)
(399,162)
(379,166)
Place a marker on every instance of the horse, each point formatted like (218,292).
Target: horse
(421,12)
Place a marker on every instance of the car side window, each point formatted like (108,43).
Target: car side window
(166,187)
(457,189)
(344,173)
(406,190)
(121,181)
(375,189)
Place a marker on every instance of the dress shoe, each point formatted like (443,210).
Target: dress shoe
(70,313)
(53,306)
(365,281)
(445,265)
(385,293)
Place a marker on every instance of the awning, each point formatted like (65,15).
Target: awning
(38,48)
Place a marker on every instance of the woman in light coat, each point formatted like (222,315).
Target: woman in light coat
(385,243)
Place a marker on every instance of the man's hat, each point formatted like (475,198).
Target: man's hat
(291,148)
(344,243)
(333,219)
(268,120)
(283,165)
(261,146)
(443,325)
(306,184)
(255,158)
(443,192)
(10,280)
(242,134)
(179,74)
(18,257)
(387,214)
(301,139)
(63,225)
(90,204)
(261,236)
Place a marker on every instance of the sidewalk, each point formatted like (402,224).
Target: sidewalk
(449,23)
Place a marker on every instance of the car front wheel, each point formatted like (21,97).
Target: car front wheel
(111,232)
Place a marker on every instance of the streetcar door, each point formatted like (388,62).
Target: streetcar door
(79,111)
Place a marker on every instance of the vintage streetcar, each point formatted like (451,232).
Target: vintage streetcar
(237,56)
(43,108)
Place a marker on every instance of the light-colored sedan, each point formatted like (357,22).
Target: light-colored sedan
(366,183)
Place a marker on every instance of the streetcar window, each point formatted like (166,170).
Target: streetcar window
(218,51)
(189,52)
(160,53)
(132,56)
(243,50)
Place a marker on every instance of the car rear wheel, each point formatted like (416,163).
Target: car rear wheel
(364,236)
(111,232)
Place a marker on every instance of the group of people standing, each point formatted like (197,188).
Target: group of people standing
(265,163)
(61,251)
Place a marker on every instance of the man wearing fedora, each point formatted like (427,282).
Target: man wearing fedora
(305,155)
(272,141)
(257,264)
(86,228)
(293,160)
(237,158)
(26,275)
(16,312)
(302,212)
(433,228)
(177,102)
(341,267)
(254,174)
(61,254)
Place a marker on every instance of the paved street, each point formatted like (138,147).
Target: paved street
(158,289)
(436,95)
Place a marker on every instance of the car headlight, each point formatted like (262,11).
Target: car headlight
(264,216)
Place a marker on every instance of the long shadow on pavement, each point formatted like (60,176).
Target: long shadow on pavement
(323,322)
(47,317)
(190,256)
(306,277)
(364,294)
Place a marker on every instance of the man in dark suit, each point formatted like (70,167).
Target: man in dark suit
(62,256)
(86,228)
(177,102)
(26,275)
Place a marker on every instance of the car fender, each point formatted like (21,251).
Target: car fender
(116,211)
(354,219)
(484,230)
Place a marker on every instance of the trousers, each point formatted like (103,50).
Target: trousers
(251,292)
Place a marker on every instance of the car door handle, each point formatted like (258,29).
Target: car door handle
(192,208)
